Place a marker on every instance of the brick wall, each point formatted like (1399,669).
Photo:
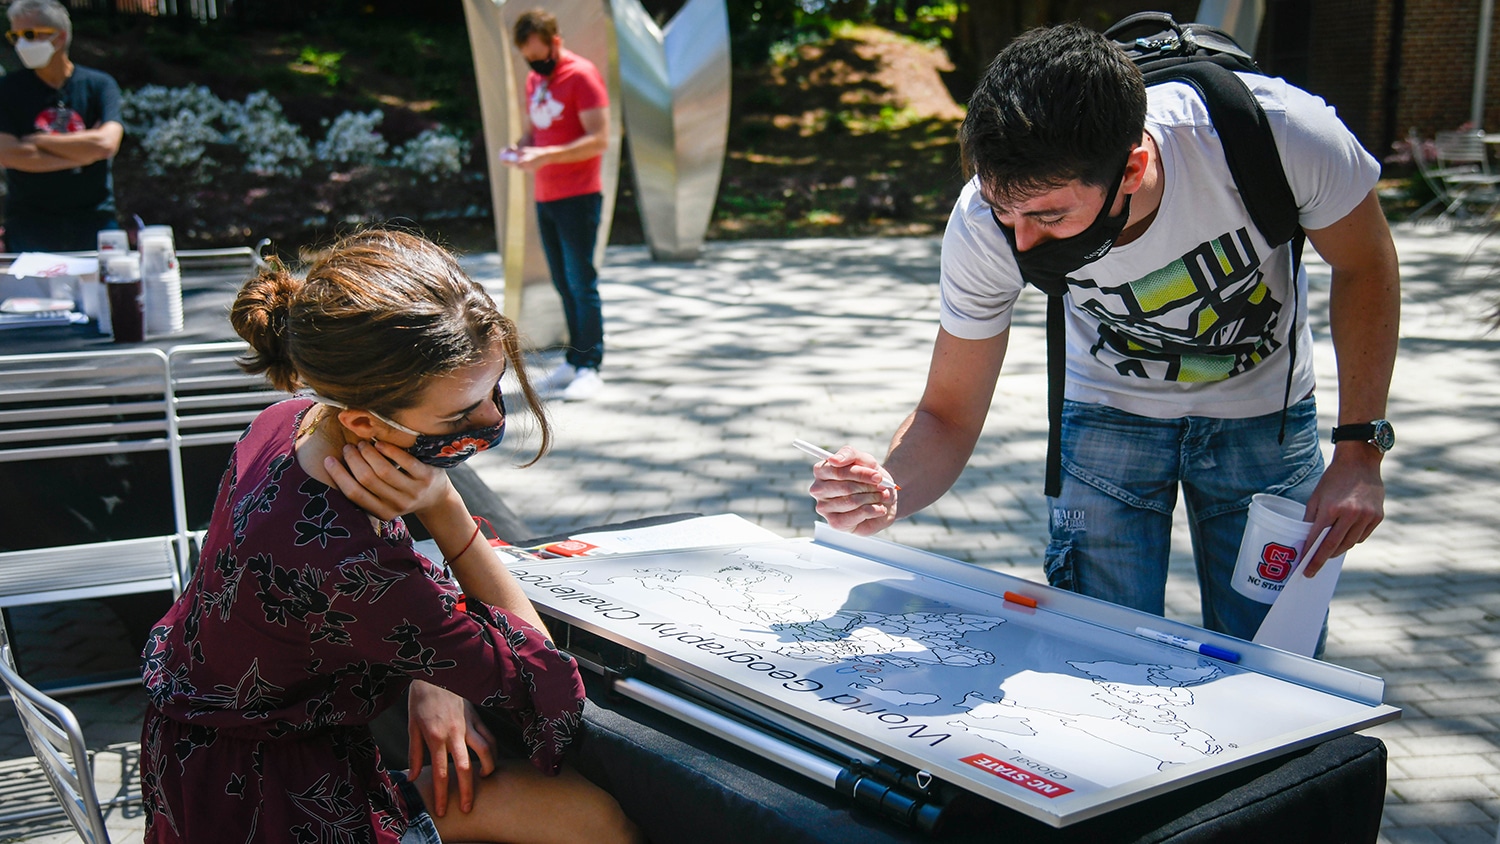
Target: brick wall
(1437,66)
(1348,55)
(1341,50)
(1346,63)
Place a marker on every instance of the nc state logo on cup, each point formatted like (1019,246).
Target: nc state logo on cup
(1273,541)
(1276,561)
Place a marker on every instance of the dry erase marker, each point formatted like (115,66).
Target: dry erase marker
(1187,644)
(824,454)
(1020,599)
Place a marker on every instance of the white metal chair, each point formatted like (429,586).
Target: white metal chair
(212,402)
(1464,169)
(238,259)
(67,421)
(57,741)
(241,259)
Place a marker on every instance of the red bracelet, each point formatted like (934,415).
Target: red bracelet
(480,520)
(472,537)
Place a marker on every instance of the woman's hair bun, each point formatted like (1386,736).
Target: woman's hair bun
(259,315)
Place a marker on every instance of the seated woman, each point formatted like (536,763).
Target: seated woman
(310,612)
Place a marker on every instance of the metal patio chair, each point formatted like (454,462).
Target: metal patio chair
(1464,168)
(57,741)
(88,475)
(212,402)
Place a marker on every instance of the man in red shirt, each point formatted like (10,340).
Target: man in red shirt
(566,131)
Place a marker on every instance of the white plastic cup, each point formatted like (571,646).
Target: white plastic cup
(1271,549)
(154,231)
(88,294)
(112,242)
(156,255)
(101,299)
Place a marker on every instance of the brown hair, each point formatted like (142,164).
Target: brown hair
(538,21)
(375,318)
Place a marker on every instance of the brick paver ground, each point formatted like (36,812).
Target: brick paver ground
(713,367)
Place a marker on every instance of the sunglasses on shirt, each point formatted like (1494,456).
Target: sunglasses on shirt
(40,33)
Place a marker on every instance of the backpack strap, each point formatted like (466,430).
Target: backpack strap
(1057,379)
(1254,162)
(1249,147)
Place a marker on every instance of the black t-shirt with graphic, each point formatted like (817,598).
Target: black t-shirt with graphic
(28,105)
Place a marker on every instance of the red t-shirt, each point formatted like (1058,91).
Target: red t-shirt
(553,104)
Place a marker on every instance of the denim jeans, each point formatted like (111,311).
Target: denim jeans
(1111,524)
(420,828)
(569,228)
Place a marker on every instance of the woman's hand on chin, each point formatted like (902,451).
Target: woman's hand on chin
(386,481)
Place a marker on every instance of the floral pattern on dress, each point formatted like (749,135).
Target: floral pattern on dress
(305,619)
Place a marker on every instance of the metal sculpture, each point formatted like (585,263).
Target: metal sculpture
(501,73)
(675,83)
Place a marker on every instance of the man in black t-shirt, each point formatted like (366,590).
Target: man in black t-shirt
(59,129)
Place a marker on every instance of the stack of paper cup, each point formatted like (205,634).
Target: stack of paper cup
(162,280)
(154,231)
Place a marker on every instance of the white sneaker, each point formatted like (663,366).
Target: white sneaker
(585,385)
(557,379)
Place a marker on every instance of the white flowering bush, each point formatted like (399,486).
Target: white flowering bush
(177,125)
(223,171)
(142,109)
(436,154)
(179,144)
(272,144)
(351,139)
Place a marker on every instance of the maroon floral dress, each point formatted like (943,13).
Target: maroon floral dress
(304,620)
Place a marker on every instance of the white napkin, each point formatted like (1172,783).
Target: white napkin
(1296,618)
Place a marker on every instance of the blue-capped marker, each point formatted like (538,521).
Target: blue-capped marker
(1187,644)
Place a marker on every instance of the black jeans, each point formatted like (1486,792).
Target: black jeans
(49,235)
(569,228)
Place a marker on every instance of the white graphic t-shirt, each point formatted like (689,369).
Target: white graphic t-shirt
(1192,318)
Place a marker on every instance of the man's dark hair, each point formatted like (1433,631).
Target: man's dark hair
(535,22)
(1057,104)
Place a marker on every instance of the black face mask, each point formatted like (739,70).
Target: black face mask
(545,66)
(1047,264)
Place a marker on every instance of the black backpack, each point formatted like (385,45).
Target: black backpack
(1204,58)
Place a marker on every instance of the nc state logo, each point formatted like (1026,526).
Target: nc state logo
(1276,561)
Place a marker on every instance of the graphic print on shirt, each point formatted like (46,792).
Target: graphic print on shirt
(1206,316)
(543,109)
(58,120)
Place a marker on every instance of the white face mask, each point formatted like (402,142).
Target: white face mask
(34,54)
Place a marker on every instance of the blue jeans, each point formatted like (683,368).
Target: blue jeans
(569,228)
(1112,522)
(419,826)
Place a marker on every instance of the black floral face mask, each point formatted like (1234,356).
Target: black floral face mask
(444,451)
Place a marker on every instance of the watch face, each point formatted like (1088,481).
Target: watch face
(1385,435)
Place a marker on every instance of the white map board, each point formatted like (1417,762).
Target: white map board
(1044,712)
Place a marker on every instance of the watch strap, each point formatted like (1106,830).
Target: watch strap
(1362,432)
